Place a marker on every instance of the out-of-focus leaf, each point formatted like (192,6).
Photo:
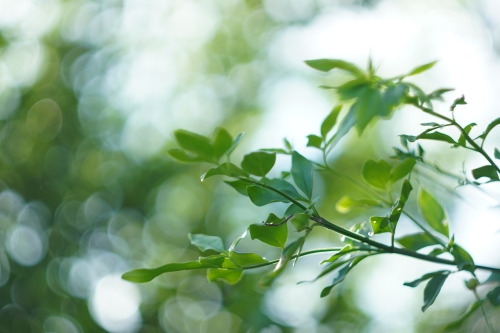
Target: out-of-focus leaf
(326,65)
(352,89)
(206,242)
(421,68)
(258,163)
(462,258)
(458,101)
(225,169)
(330,121)
(235,143)
(487,171)
(182,156)
(194,143)
(402,169)
(271,235)
(393,97)
(497,154)
(302,173)
(262,196)
(472,308)
(432,290)
(342,273)
(222,142)
(377,173)
(368,106)
(490,126)
(229,276)
(494,296)
(437,136)
(415,242)
(314,141)
(285,258)
(432,212)
(300,221)
(438,94)
(346,203)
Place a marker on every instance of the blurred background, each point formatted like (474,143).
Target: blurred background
(90,92)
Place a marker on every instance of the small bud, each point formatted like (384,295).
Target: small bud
(472,283)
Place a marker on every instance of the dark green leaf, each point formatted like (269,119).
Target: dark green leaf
(239,186)
(300,221)
(421,68)
(271,235)
(326,65)
(462,258)
(342,273)
(276,150)
(458,101)
(432,212)
(302,173)
(283,186)
(462,141)
(497,154)
(352,89)
(431,124)
(262,196)
(494,296)
(490,126)
(258,163)
(194,143)
(206,242)
(330,120)
(380,224)
(346,203)
(437,136)
(377,173)
(402,169)
(225,169)
(432,289)
(222,142)
(314,141)
(285,258)
(393,97)
(182,156)
(487,171)
(425,277)
(229,276)
(417,241)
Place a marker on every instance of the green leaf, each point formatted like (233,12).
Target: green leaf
(437,136)
(462,141)
(494,296)
(463,258)
(348,122)
(398,206)
(258,163)
(326,65)
(432,212)
(182,156)
(246,259)
(195,143)
(458,101)
(415,242)
(285,258)
(225,169)
(293,209)
(262,196)
(206,242)
(368,106)
(239,186)
(377,173)
(490,126)
(314,141)
(393,97)
(421,68)
(343,251)
(346,203)
(438,94)
(302,173)
(472,308)
(235,143)
(402,169)
(147,274)
(497,154)
(380,224)
(283,186)
(229,276)
(425,277)
(222,142)
(432,289)
(271,235)
(342,273)
(352,89)
(330,121)
(300,221)
(487,171)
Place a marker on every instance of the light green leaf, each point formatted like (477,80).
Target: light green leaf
(437,136)
(432,212)
(258,163)
(342,273)
(421,68)
(262,196)
(326,65)
(235,143)
(300,222)
(343,251)
(229,276)
(462,141)
(206,242)
(225,169)
(487,171)
(380,224)
(330,120)
(368,106)
(271,235)
(239,186)
(222,142)
(432,290)
(402,169)
(302,173)
(194,143)
(415,242)
(377,173)
(393,97)
(346,203)
(314,141)
(246,259)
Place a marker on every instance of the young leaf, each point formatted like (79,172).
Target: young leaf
(432,289)
(314,141)
(348,122)
(425,277)
(380,224)
(258,163)
(262,196)
(206,242)
(463,258)
(437,136)
(195,143)
(145,274)
(342,273)
(458,101)
(222,142)
(490,126)
(343,251)
(415,242)
(302,173)
(487,171)
(421,68)
(181,156)
(330,121)
(432,212)
(462,141)
(300,221)
(271,235)
(346,203)
(226,169)
(229,276)
(326,65)
(438,94)
(402,169)
(285,258)
(377,173)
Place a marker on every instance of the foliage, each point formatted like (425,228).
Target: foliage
(363,99)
